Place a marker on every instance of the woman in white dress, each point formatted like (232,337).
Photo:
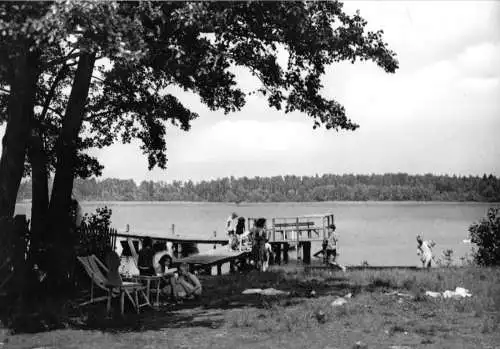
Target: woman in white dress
(424,250)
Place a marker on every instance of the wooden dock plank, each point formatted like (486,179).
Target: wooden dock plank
(213,257)
(175,238)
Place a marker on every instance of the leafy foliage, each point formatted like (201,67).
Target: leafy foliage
(145,49)
(486,235)
(94,233)
(100,219)
(392,187)
(61,31)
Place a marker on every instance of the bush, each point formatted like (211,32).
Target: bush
(100,219)
(446,259)
(95,233)
(486,235)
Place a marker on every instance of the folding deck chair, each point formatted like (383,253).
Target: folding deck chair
(94,268)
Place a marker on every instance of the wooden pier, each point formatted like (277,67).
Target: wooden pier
(205,260)
(284,233)
(180,244)
(175,238)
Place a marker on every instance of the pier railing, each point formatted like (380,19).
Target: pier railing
(298,229)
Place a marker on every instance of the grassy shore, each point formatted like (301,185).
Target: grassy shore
(374,315)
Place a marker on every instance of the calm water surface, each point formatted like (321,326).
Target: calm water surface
(382,233)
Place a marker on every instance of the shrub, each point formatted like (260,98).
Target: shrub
(486,235)
(95,233)
(100,219)
(446,259)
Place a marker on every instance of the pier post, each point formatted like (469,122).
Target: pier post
(286,246)
(274,229)
(219,269)
(231,267)
(277,253)
(306,246)
(175,248)
(173,229)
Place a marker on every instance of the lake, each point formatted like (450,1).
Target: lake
(381,233)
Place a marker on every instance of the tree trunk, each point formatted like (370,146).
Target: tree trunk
(66,148)
(20,113)
(60,254)
(40,192)
(40,173)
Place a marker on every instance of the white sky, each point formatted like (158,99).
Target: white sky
(439,113)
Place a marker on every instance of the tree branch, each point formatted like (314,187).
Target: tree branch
(55,111)
(62,59)
(60,75)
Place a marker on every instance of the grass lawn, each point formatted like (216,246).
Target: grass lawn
(224,318)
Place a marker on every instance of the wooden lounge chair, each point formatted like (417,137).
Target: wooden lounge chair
(97,272)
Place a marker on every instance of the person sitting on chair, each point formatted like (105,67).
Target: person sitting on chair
(162,263)
(185,285)
(112,261)
(145,259)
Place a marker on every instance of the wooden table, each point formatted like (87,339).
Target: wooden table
(150,283)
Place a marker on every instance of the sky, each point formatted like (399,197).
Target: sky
(439,113)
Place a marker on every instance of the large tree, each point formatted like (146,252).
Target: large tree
(148,48)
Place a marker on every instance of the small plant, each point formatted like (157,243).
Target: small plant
(467,260)
(446,259)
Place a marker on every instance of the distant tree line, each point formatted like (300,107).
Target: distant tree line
(328,187)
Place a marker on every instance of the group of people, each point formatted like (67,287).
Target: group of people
(178,283)
(254,240)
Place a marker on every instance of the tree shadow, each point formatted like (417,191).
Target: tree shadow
(220,294)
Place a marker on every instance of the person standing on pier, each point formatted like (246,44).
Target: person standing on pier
(231,223)
(330,246)
(240,230)
(259,251)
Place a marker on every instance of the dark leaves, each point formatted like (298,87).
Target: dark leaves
(154,46)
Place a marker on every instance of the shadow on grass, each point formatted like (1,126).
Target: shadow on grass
(221,293)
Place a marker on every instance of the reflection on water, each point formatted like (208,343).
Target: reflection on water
(382,233)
